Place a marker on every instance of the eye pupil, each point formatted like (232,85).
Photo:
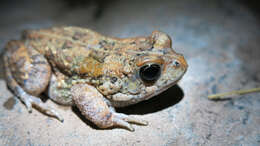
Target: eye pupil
(150,73)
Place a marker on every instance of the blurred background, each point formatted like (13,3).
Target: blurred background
(220,40)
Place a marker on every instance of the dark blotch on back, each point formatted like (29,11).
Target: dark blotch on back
(67,45)
(113,79)
(78,35)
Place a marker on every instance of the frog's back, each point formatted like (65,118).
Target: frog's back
(82,51)
(73,37)
(65,38)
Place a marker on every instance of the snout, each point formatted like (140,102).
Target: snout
(183,63)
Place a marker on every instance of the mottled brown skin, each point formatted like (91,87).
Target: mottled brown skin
(77,66)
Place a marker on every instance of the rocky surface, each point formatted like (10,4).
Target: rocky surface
(220,40)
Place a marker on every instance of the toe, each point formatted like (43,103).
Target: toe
(28,106)
(132,119)
(121,123)
(37,103)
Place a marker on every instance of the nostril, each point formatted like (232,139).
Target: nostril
(176,63)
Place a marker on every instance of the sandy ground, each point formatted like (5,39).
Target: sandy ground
(220,40)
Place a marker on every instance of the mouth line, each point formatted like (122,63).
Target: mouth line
(160,90)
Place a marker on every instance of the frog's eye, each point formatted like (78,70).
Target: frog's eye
(150,73)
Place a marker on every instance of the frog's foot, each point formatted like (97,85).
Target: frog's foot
(92,105)
(123,120)
(32,101)
(36,102)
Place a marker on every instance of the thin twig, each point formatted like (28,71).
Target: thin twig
(228,94)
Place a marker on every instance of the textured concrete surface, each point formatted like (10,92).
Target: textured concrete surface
(220,40)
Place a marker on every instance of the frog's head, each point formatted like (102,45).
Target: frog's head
(155,70)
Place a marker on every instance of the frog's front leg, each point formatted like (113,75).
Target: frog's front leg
(92,105)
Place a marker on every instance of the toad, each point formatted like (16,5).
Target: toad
(80,67)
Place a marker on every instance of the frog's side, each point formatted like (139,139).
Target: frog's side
(77,66)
